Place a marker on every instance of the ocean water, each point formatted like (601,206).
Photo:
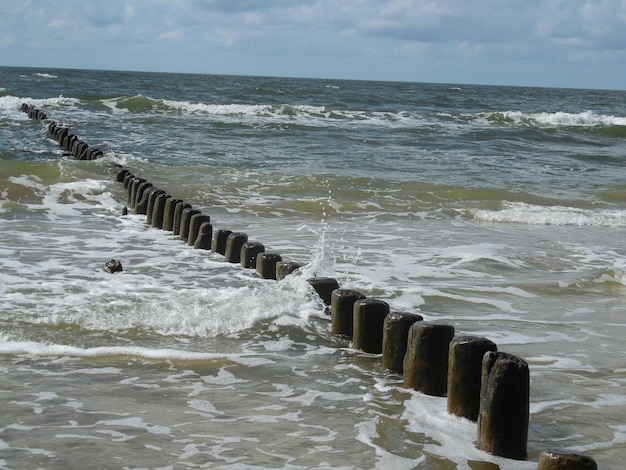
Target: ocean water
(499,210)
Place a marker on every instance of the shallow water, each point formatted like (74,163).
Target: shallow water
(499,210)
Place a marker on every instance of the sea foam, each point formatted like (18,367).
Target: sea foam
(31,348)
(523,213)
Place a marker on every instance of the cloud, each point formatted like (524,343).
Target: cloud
(582,23)
(245,6)
(413,49)
(571,23)
(170,35)
(467,48)
(361,38)
(7,40)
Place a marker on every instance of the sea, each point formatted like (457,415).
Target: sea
(499,210)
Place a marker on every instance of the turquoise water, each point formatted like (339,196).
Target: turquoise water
(499,210)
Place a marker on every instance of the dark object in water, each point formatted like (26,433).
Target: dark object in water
(113,266)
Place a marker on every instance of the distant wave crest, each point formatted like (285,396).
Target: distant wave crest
(278,112)
(522,213)
(557,119)
(44,75)
(10,103)
(140,103)
(326,115)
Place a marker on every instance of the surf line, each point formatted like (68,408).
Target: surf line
(482,384)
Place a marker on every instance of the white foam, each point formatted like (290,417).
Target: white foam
(368,435)
(67,199)
(134,422)
(584,119)
(615,275)
(556,119)
(523,213)
(223,377)
(8,347)
(74,437)
(553,363)
(44,75)
(12,104)
(279,113)
(245,109)
(28,181)
(619,439)
(428,415)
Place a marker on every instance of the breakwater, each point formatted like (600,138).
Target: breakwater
(367,309)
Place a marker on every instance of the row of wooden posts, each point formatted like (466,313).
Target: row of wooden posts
(70,142)
(481,384)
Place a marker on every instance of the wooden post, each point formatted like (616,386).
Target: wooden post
(342,311)
(425,365)
(504,406)
(367,331)
(395,338)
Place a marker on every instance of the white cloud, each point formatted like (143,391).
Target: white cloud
(170,35)
(294,36)
(467,48)
(226,36)
(413,49)
(253,19)
(56,24)
(129,12)
(7,40)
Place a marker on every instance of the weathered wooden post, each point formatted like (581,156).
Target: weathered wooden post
(219,241)
(266,264)
(504,406)
(285,268)
(367,328)
(140,196)
(324,286)
(465,364)
(395,338)
(249,252)
(185,219)
(562,460)
(425,365)
(194,226)
(205,234)
(168,213)
(152,195)
(158,210)
(234,243)
(342,311)
(178,215)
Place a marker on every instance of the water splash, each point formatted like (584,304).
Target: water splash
(323,261)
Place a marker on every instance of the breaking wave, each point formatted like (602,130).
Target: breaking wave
(523,213)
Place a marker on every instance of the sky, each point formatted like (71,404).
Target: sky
(555,43)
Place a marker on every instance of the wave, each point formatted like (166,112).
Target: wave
(249,109)
(614,275)
(556,119)
(140,103)
(397,118)
(11,104)
(9,347)
(523,213)
(284,113)
(44,75)
(613,126)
